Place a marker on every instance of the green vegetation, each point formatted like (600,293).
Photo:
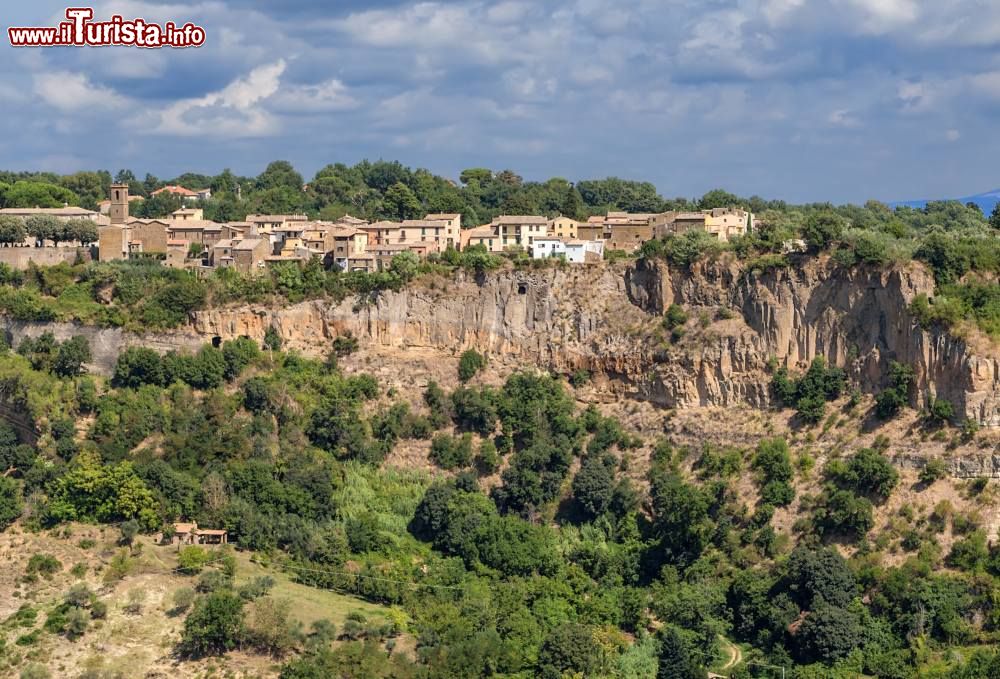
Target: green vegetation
(470,363)
(810,393)
(893,398)
(566,566)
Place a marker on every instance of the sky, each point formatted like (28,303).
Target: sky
(803,100)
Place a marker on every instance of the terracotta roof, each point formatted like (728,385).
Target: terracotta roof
(185,527)
(277,218)
(484,231)
(67,211)
(224,243)
(435,223)
(248,244)
(203,224)
(210,531)
(443,215)
(177,190)
(520,219)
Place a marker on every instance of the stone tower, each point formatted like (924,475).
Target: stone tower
(119,204)
(113,240)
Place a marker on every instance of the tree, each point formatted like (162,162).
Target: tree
(572,205)
(400,202)
(238,354)
(594,485)
(82,230)
(470,363)
(822,228)
(137,366)
(405,265)
(43,228)
(10,501)
(891,400)
(272,340)
(995,217)
(38,194)
(675,660)
(216,625)
(12,230)
(71,357)
(828,634)
(280,174)
(568,649)
(868,472)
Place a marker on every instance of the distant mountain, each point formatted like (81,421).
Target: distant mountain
(986,201)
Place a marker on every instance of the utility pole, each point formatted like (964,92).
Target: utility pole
(773,667)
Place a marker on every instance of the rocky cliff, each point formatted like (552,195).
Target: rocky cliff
(607,320)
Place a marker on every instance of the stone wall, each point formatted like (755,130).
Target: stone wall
(18,258)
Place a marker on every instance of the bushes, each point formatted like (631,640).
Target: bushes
(810,393)
(867,472)
(841,512)
(470,363)
(450,452)
(890,400)
(774,465)
(216,625)
(10,501)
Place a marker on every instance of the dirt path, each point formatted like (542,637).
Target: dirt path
(735,653)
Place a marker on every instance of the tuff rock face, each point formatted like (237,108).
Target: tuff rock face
(606,319)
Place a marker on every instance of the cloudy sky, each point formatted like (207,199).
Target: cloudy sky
(838,100)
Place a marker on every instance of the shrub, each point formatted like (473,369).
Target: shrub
(183,598)
(192,559)
(841,512)
(675,317)
(450,452)
(216,625)
(934,470)
(940,411)
(10,501)
(773,463)
(45,565)
(867,472)
(891,400)
(470,363)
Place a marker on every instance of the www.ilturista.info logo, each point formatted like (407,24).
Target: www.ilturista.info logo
(79,30)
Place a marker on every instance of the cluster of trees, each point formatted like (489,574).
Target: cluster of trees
(810,393)
(14,230)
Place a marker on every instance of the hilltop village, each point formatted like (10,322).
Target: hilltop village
(187,240)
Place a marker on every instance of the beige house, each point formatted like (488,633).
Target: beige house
(188,213)
(726,223)
(383,232)
(563,228)
(348,242)
(520,230)
(453,227)
(249,254)
(267,223)
(482,235)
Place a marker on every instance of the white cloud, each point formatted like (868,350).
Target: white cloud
(325,97)
(843,118)
(230,112)
(952,135)
(74,92)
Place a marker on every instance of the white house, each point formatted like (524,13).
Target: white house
(584,251)
(546,247)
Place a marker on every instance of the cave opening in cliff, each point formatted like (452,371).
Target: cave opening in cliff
(522,289)
(216,341)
